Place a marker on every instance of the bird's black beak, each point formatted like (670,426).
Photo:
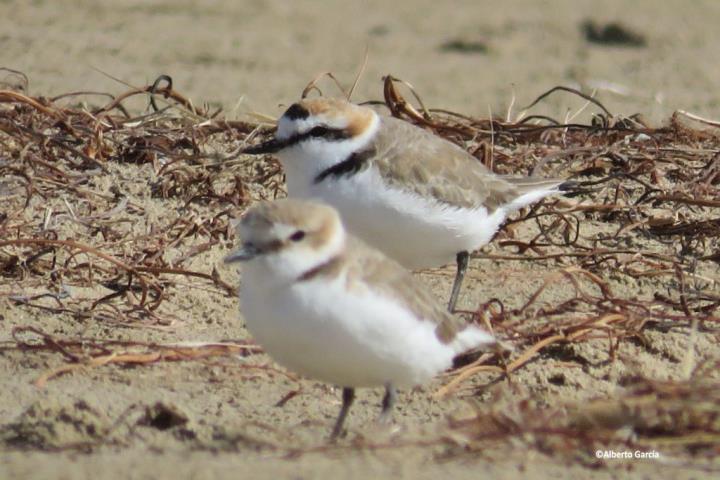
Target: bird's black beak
(271,146)
(243,254)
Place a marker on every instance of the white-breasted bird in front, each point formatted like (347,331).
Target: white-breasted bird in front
(324,304)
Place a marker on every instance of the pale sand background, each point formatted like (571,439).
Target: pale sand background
(265,52)
(257,55)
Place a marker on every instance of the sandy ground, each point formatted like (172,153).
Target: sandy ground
(256,56)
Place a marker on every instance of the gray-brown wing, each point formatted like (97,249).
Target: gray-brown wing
(366,264)
(418,161)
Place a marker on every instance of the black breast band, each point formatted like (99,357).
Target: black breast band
(351,165)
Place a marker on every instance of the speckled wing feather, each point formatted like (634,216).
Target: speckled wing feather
(366,266)
(415,160)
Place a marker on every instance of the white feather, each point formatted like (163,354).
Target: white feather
(416,231)
(349,338)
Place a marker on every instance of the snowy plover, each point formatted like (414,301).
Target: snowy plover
(328,306)
(417,197)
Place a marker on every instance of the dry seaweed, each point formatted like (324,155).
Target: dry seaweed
(654,191)
(84,353)
(647,416)
(58,165)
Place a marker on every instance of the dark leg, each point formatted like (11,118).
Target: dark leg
(462,264)
(348,395)
(388,402)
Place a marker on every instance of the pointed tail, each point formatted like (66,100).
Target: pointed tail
(533,189)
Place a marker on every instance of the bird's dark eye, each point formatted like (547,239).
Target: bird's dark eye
(297,236)
(319,132)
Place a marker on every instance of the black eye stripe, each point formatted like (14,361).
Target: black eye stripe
(329,134)
(326,133)
(318,132)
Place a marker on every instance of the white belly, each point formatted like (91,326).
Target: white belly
(361,340)
(416,232)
